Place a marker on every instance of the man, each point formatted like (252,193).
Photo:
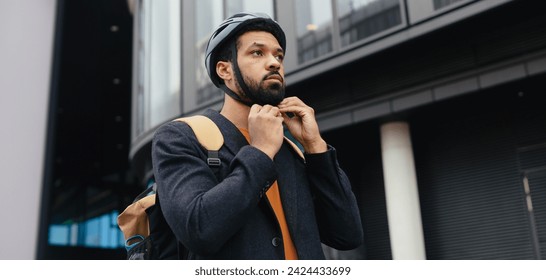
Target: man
(264,201)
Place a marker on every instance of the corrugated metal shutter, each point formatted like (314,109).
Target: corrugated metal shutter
(530,134)
(472,197)
(361,159)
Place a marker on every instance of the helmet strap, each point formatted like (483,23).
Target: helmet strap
(234,95)
(239,78)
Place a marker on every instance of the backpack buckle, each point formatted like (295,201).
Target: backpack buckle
(212,158)
(213,161)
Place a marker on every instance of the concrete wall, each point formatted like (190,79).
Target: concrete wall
(26,48)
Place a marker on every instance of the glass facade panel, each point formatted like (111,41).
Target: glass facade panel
(157,64)
(209,14)
(439,4)
(419,10)
(361,19)
(139,65)
(99,232)
(165,70)
(236,6)
(313,28)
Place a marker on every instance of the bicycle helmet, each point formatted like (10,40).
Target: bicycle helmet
(225,31)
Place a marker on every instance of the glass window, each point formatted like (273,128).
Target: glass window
(164,61)
(157,63)
(361,19)
(237,6)
(209,14)
(99,232)
(139,64)
(439,4)
(419,10)
(313,28)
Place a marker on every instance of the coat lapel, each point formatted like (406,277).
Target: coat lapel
(288,187)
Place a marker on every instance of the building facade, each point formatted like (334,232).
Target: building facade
(436,108)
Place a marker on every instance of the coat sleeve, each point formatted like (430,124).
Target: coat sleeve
(202,212)
(338,216)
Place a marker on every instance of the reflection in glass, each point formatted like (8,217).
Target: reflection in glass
(157,64)
(97,232)
(438,4)
(209,15)
(237,6)
(314,28)
(360,19)
(164,61)
(140,66)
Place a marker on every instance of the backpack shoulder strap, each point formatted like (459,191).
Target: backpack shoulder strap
(208,134)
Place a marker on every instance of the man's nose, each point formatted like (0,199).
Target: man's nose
(273,63)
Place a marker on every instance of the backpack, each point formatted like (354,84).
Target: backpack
(146,232)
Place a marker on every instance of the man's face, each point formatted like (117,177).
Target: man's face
(260,60)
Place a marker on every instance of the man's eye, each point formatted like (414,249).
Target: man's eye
(256,52)
(280,57)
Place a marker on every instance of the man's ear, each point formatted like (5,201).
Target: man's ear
(224,71)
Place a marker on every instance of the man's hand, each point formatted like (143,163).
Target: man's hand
(265,129)
(303,125)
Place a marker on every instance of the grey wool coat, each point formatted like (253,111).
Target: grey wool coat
(225,214)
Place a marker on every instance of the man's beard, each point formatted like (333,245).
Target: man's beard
(261,94)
